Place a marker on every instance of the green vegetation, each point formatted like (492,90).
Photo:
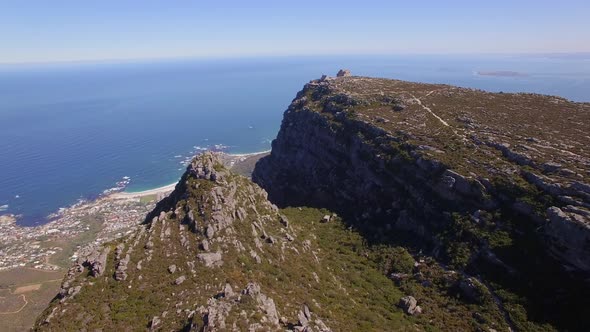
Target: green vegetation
(392,259)
(147,199)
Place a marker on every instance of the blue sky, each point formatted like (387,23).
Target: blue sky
(46,31)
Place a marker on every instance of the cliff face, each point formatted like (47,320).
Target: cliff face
(483,181)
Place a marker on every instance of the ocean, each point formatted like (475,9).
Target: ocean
(71,131)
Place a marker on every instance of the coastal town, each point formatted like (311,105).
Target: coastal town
(89,222)
(54,245)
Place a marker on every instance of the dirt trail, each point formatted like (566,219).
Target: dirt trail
(429,110)
(19,310)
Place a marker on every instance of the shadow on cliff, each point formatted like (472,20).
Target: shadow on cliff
(534,285)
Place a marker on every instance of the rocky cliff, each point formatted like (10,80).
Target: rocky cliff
(492,184)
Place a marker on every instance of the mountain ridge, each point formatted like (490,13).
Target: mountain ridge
(479,180)
(384,205)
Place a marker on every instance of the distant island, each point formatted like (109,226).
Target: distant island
(501,73)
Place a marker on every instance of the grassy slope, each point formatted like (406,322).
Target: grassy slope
(328,267)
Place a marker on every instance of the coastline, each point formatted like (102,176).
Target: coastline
(139,194)
(230,159)
(239,155)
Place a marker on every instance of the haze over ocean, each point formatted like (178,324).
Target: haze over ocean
(71,131)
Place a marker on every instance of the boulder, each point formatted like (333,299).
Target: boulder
(304,316)
(179,280)
(211,259)
(228,291)
(409,305)
(205,245)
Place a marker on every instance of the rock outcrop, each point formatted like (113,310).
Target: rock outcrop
(410,305)
(216,231)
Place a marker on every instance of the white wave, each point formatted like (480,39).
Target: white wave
(4,207)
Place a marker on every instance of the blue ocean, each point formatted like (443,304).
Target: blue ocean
(72,131)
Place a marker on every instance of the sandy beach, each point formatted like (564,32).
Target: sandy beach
(138,194)
(241,155)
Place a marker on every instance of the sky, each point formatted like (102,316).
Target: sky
(49,31)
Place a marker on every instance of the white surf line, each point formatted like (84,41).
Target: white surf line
(430,111)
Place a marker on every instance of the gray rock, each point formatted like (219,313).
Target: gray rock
(303,320)
(119,250)
(284,220)
(307,312)
(228,291)
(121,271)
(179,280)
(205,245)
(251,289)
(209,232)
(568,232)
(154,323)
(254,255)
(326,218)
(203,167)
(211,259)
(172,268)
(98,262)
(409,305)
(162,216)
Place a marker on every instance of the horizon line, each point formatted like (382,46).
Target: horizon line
(584,54)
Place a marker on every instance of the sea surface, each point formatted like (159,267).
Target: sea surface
(71,131)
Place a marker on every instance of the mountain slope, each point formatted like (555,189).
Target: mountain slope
(216,255)
(493,185)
